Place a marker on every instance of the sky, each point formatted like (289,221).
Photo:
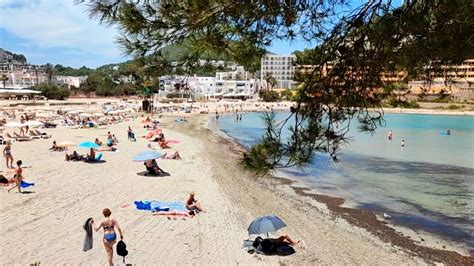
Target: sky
(60,32)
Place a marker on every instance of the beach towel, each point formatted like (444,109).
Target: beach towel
(172,141)
(160,206)
(26,184)
(88,237)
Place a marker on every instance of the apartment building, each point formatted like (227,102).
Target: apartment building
(22,76)
(70,81)
(280,67)
(457,80)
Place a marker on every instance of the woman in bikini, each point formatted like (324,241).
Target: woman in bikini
(7,153)
(110,236)
(18,177)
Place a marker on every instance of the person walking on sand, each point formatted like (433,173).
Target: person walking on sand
(130,134)
(18,176)
(390,135)
(110,237)
(7,153)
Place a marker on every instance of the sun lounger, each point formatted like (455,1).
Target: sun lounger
(6,139)
(33,135)
(17,138)
(43,135)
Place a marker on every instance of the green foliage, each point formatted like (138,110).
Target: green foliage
(357,46)
(270,96)
(454,107)
(20,58)
(61,70)
(53,91)
(287,94)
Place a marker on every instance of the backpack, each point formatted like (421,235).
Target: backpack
(122,249)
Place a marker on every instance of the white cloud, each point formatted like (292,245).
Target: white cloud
(57,24)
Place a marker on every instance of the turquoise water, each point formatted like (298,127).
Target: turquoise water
(427,185)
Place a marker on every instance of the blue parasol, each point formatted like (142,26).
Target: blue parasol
(146,155)
(265,224)
(88,145)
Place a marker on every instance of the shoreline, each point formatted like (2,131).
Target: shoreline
(366,219)
(212,106)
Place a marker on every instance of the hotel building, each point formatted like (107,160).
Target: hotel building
(280,67)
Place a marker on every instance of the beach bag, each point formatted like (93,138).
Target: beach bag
(122,250)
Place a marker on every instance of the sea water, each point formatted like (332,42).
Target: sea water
(426,185)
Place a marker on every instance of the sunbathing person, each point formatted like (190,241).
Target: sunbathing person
(285,239)
(74,156)
(153,168)
(174,156)
(270,245)
(55,147)
(192,204)
(91,155)
(189,214)
(98,142)
(163,144)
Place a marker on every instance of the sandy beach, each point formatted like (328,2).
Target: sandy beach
(45,225)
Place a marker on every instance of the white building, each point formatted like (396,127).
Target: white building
(210,87)
(280,67)
(70,81)
(21,76)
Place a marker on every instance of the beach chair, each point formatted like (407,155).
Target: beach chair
(33,135)
(15,138)
(7,139)
(18,136)
(43,135)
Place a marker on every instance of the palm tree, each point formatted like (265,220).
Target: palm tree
(49,72)
(270,80)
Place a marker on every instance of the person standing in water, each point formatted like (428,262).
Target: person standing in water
(390,135)
(402,143)
(110,237)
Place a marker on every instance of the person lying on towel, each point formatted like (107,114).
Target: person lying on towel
(174,156)
(188,214)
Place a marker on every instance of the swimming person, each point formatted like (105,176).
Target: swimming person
(390,135)
(7,153)
(109,225)
(402,143)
